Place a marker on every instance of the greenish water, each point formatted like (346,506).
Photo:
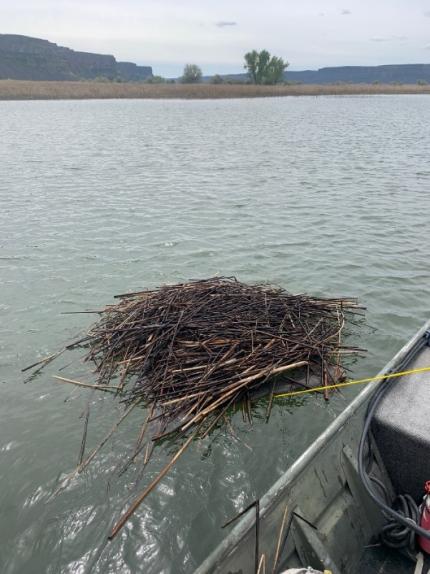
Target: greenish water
(328,195)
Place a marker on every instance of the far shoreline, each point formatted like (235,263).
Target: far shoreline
(11,90)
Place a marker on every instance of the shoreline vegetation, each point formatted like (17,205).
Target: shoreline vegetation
(64,90)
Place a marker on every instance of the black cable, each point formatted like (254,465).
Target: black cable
(394,534)
(405,512)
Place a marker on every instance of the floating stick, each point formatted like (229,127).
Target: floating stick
(138,501)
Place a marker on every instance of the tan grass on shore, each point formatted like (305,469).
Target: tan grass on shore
(33,90)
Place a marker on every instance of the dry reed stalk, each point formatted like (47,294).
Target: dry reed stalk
(138,501)
(262,565)
(279,541)
(86,385)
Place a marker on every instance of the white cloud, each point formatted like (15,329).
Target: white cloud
(389,39)
(224,23)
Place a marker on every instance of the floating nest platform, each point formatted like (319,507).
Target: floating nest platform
(190,352)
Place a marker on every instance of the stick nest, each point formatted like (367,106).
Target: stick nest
(193,349)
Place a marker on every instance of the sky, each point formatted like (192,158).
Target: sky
(215,34)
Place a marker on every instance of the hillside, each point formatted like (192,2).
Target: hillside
(386,74)
(402,73)
(25,58)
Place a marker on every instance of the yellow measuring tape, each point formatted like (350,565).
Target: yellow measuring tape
(350,383)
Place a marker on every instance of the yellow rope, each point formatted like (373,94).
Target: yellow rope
(356,382)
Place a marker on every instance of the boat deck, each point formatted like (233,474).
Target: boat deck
(379,559)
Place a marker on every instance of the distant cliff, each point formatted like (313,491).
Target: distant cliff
(402,73)
(387,74)
(25,58)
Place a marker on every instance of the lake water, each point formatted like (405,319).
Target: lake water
(328,195)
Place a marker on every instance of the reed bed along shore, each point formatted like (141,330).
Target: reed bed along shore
(34,90)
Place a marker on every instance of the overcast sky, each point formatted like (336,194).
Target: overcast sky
(216,33)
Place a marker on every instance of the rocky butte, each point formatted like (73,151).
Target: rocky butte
(25,58)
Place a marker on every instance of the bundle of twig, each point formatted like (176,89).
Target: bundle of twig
(191,351)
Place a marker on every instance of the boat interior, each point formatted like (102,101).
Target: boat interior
(327,511)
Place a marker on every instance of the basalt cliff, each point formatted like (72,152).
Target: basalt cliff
(25,58)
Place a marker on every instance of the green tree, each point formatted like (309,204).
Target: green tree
(251,64)
(192,74)
(217,79)
(264,68)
